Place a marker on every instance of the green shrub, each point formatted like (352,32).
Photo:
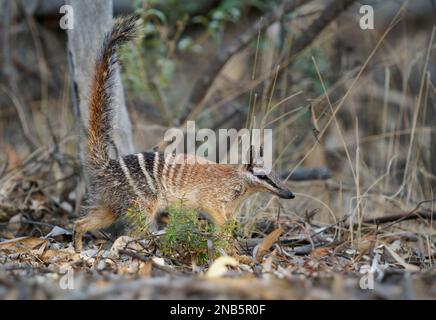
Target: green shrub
(139,222)
(187,237)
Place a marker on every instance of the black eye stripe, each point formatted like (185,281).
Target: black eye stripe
(271,182)
(267,179)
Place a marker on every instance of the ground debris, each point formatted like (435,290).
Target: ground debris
(288,258)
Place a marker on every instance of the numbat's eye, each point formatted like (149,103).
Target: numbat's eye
(262,176)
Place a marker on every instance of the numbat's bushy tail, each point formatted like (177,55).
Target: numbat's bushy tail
(151,180)
(100,104)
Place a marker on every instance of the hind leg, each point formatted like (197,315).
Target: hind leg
(218,217)
(97,218)
(151,209)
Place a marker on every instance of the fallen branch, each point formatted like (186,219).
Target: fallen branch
(399,217)
(330,13)
(303,174)
(145,259)
(31,222)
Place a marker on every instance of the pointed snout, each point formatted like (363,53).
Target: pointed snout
(285,194)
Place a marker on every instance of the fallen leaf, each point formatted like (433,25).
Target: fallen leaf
(407,266)
(159,261)
(267,264)
(128,268)
(41,249)
(90,253)
(244,259)
(57,231)
(14,224)
(318,253)
(219,267)
(59,255)
(121,243)
(267,242)
(21,244)
(145,268)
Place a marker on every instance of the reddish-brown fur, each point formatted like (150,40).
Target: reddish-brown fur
(149,179)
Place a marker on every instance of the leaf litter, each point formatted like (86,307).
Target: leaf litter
(287,258)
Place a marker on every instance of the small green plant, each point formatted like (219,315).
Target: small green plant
(187,237)
(138,221)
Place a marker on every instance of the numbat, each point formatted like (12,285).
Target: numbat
(149,178)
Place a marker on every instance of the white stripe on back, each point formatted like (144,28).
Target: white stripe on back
(156,168)
(165,171)
(130,180)
(179,175)
(171,172)
(141,161)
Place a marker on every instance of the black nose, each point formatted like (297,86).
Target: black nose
(286,194)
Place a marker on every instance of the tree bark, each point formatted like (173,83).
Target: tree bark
(92,20)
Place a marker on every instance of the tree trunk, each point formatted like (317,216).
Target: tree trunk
(92,20)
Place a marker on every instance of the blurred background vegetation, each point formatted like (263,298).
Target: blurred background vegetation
(263,64)
(388,113)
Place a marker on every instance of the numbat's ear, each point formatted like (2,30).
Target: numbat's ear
(247,160)
(250,157)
